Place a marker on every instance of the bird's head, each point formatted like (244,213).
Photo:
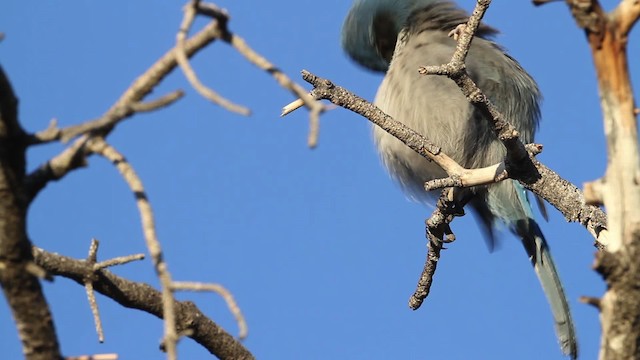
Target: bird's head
(370,31)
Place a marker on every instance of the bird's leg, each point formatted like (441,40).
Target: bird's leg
(449,205)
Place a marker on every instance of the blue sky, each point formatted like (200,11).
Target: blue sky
(319,247)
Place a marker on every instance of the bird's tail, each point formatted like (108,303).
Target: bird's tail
(540,256)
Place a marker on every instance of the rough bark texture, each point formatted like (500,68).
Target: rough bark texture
(621,196)
(189,319)
(21,288)
(620,191)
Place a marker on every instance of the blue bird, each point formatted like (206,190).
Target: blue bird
(396,37)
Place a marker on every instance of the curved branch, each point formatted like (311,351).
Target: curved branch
(190,74)
(226,296)
(99,146)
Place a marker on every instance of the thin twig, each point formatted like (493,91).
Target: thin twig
(89,278)
(88,285)
(94,309)
(51,133)
(456,71)
(190,74)
(74,156)
(304,99)
(94,357)
(159,103)
(121,260)
(292,106)
(224,293)
(35,270)
(135,93)
(314,126)
(54,133)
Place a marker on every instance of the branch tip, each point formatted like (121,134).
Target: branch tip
(593,301)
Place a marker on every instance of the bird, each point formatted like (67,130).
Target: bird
(396,37)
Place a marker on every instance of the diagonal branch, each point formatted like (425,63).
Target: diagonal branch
(138,90)
(238,43)
(521,165)
(73,157)
(560,193)
(283,80)
(456,71)
(129,103)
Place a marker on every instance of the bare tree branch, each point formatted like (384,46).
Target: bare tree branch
(283,80)
(92,260)
(619,189)
(141,296)
(456,71)
(54,133)
(626,15)
(88,285)
(139,89)
(190,74)
(99,146)
(89,138)
(159,103)
(130,101)
(20,286)
(438,233)
(73,157)
(238,43)
(560,193)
